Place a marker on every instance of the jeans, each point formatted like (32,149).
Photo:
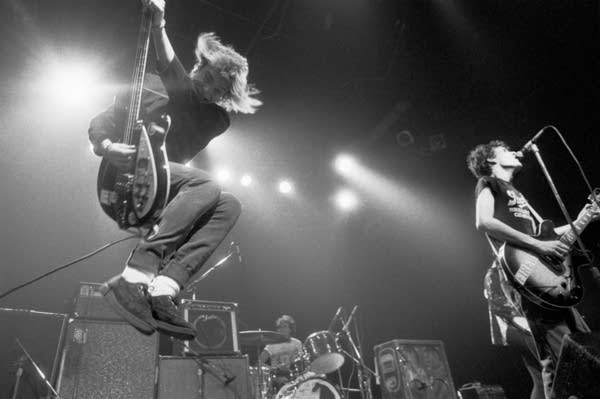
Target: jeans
(548,329)
(195,221)
(524,343)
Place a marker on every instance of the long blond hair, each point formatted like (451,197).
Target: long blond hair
(233,67)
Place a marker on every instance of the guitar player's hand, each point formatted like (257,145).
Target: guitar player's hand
(120,155)
(158,9)
(555,249)
(592,209)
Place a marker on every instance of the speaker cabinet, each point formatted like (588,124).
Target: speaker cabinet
(207,377)
(578,367)
(413,369)
(216,328)
(90,304)
(41,334)
(104,359)
(478,391)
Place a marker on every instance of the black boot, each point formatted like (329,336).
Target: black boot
(169,320)
(131,302)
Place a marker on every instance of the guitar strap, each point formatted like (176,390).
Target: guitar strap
(494,250)
(536,215)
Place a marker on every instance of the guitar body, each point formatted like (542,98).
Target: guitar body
(136,197)
(548,283)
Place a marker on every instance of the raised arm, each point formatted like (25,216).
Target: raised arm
(164,50)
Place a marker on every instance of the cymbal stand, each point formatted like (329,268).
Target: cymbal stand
(259,364)
(37,369)
(364,372)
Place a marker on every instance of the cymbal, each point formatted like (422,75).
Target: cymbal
(261,337)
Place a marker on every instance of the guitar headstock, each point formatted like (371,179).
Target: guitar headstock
(593,200)
(594,197)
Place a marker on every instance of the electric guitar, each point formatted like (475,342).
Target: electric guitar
(543,280)
(135,197)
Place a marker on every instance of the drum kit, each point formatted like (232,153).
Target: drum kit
(321,354)
(306,378)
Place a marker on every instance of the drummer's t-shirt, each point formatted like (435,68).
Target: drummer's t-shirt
(282,354)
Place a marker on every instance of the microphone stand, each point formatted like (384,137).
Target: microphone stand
(563,208)
(18,374)
(218,372)
(37,369)
(363,371)
(213,268)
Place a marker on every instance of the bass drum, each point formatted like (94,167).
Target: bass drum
(313,388)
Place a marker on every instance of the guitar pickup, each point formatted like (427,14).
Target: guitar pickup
(108,197)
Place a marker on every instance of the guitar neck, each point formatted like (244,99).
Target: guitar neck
(570,236)
(137,80)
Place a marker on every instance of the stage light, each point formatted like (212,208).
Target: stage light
(70,83)
(346,200)
(223,176)
(405,138)
(345,163)
(246,180)
(286,187)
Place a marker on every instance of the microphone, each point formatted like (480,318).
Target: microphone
(228,379)
(335,317)
(345,328)
(530,143)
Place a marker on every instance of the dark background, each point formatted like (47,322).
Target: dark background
(331,73)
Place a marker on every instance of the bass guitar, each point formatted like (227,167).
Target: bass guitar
(549,283)
(135,197)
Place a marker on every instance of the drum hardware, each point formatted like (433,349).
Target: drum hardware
(310,388)
(335,318)
(322,352)
(261,381)
(364,372)
(259,338)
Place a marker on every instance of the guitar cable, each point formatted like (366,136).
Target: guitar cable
(66,265)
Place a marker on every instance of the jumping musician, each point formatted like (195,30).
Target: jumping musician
(198,215)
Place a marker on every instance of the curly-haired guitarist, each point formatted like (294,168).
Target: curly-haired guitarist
(506,217)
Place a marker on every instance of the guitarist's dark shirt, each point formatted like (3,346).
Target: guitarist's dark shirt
(194,121)
(510,206)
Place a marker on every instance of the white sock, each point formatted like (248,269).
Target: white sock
(163,285)
(135,276)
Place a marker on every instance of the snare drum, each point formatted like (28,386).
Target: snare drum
(322,352)
(313,388)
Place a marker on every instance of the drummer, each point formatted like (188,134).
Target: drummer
(282,356)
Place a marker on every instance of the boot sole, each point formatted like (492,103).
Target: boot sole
(131,318)
(181,333)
